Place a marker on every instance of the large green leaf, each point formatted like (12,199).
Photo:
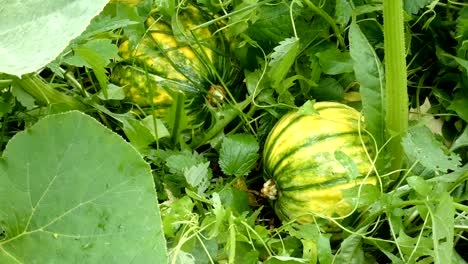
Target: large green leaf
(370,75)
(34,32)
(238,154)
(72,191)
(422,146)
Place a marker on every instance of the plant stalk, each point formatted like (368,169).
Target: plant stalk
(44,94)
(396,118)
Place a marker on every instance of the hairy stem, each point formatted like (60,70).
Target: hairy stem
(396,80)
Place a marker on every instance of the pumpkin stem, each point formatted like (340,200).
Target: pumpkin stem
(216,95)
(269,190)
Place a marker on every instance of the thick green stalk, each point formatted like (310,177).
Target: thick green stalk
(44,94)
(396,118)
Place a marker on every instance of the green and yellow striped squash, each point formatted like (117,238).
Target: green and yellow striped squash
(172,58)
(305,178)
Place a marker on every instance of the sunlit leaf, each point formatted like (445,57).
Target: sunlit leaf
(421,146)
(238,154)
(413,6)
(73,191)
(283,58)
(34,32)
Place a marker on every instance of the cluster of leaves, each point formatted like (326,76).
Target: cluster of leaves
(290,53)
(290,57)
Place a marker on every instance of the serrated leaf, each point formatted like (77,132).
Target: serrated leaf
(370,75)
(34,32)
(181,161)
(95,61)
(333,61)
(328,89)
(307,108)
(351,250)
(305,231)
(413,6)
(462,28)
(282,59)
(239,21)
(324,250)
(72,191)
(107,50)
(415,247)
(422,187)
(443,229)
(270,23)
(143,133)
(420,145)
(235,199)
(220,215)
(362,195)
(23,97)
(138,134)
(104,24)
(182,257)
(238,154)
(156,127)
(95,54)
(198,177)
(174,212)
(134,32)
(114,92)
(5,107)
(253,81)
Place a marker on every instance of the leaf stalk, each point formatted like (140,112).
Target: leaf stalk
(396,118)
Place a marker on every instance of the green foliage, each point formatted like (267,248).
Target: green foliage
(55,25)
(421,146)
(286,55)
(238,154)
(72,190)
(370,74)
(333,61)
(413,6)
(282,59)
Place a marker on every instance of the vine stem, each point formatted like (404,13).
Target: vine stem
(329,20)
(396,118)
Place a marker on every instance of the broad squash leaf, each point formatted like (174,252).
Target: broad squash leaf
(72,191)
(34,32)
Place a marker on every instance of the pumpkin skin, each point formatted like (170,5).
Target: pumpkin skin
(305,178)
(170,59)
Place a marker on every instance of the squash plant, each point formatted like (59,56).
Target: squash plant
(389,67)
(396,95)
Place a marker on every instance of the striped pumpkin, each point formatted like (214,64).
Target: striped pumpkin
(172,58)
(305,178)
